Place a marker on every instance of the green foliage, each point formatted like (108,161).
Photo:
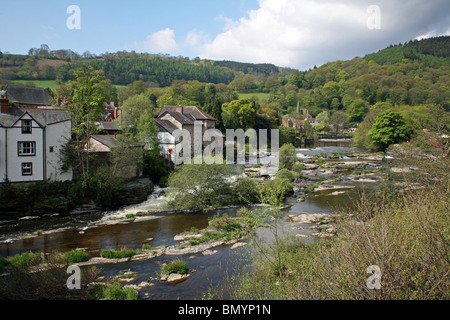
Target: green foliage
(176,266)
(199,186)
(155,167)
(389,128)
(76,256)
(116,292)
(239,114)
(25,260)
(297,168)
(357,110)
(246,191)
(287,174)
(118,254)
(275,189)
(287,156)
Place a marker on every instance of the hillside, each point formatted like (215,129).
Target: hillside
(433,52)
(123,68)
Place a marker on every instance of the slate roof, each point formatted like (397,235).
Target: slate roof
(109,141)
(44,117)
(109,126)
(21,95)
(166,125)
(189,113)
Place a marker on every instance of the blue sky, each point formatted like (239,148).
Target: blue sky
(288,33)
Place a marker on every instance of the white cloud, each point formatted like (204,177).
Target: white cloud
(304,33)
(162,41)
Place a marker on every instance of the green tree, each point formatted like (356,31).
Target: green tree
(84,98)
(239,114)
(199,186)
(288,156)
(389,128)
(357,110)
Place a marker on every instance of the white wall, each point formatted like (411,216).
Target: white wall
(2,154)
(14,166)
(57,136)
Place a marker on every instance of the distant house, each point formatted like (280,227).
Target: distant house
(29,97)
(172,118)
(100,147)
(109,128)
(298,121)
(111,112)
(31,138)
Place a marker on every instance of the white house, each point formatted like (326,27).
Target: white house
(172,118)
(30,141)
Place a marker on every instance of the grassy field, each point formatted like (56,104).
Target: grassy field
(37,83)
(260,95)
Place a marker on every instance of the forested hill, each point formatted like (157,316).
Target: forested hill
(123,68)
(432,52)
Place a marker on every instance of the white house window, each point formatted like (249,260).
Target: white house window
(26,148)
(27,169)
(52,149)
(27,126)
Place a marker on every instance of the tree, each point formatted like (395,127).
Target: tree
(84,98)
(199,186)
(357,110)
(288,156)
(389,128)
(239,114)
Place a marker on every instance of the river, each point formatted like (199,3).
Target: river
(111,230)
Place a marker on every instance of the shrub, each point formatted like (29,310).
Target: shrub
(116,292)
(176,266)
(246,191)
(208,236)
(76,256)
(286,174)
(298,167)
(278,188)
(3,263)
(25,260)
(116,254)
(287,156)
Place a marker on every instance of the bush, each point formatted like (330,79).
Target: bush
(246,191)
(76,256)
(3,263)
(287,156)
(286,174)
(25,260)
(297,167)
(116,292)
(278,188)
(115,254)
(176,266)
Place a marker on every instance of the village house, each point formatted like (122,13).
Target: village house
(100,146)
(32,133)
(172,118)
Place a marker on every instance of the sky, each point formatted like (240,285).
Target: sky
(298,34)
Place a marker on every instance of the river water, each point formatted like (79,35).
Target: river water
(110,230)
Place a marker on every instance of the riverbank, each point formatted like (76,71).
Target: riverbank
(399,229)
(33,201)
